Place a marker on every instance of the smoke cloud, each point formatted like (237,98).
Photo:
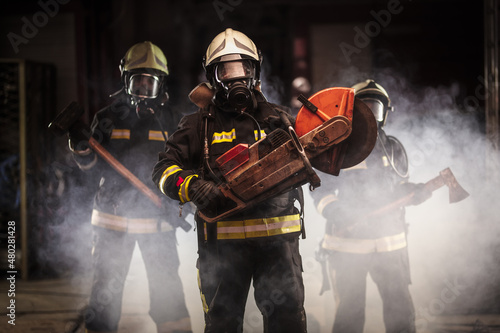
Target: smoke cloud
(454,247)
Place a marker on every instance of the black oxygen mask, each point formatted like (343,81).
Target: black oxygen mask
(235,81)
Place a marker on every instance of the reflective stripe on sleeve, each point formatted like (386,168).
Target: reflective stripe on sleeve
(167,173)
(258,227)
(157,135)
(129,225)
(325,201)
(184,189)
(365,246)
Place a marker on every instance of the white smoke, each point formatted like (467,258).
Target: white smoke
(453,247)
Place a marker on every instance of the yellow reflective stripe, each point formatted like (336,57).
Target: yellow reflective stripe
(167,173)
(262,134)
(364,246)
(184,189)
(120,134)
(219,137)
(325,201)
(385,161)
(202,296)
(258,227)
(157,136)
(88,166)
(129,225)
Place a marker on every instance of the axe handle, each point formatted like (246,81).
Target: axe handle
(124,171)
(431,185)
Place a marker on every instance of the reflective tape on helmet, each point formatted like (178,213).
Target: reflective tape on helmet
(253,228)
(167,173)
(184,189)
(365,246)
(129,225)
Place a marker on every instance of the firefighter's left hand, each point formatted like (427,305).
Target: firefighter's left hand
(420,194)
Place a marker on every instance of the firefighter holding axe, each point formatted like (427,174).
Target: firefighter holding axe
(366,232)
(121,146)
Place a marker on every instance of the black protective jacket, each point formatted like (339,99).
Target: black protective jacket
(134,143)
(349,201)
(184,153)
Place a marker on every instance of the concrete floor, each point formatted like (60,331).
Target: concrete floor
(54,306)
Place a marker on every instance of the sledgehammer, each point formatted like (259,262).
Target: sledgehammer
(68,119)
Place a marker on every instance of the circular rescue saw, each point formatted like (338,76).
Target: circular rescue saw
(327,104)
(332,131)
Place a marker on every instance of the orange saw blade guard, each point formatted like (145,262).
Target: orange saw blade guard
(338,101)
(329,102)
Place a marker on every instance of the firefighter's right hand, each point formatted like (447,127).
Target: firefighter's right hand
(79,137)
(206,196)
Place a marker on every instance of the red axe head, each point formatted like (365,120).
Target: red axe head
(457,193)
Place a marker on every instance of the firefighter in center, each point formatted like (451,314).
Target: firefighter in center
(260,244)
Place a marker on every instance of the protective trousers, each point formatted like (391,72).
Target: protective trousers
(112,255)
(390,272)
(274,264)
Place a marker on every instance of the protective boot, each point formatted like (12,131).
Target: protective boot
(179,326)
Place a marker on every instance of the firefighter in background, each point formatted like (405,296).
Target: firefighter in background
(260,243)
(133,129)
(358,242)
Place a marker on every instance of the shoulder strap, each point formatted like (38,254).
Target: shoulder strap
(206,129)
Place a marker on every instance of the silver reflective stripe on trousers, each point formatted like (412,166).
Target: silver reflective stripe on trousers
(364,246)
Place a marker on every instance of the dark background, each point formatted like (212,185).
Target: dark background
(429,55)
(429,43)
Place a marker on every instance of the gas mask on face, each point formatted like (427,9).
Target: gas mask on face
(378,108)
(144,90)
(236,81)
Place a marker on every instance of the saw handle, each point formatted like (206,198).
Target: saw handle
(313,108)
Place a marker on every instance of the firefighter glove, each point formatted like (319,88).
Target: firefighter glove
(418,191)
(79,137)
(206,196)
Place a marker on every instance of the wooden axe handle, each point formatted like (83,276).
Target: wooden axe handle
(431,185)
(124,171)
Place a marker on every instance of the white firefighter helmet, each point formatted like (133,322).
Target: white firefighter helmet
(376,97)
(231,45)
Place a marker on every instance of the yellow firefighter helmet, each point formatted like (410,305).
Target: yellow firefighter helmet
(144,55)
